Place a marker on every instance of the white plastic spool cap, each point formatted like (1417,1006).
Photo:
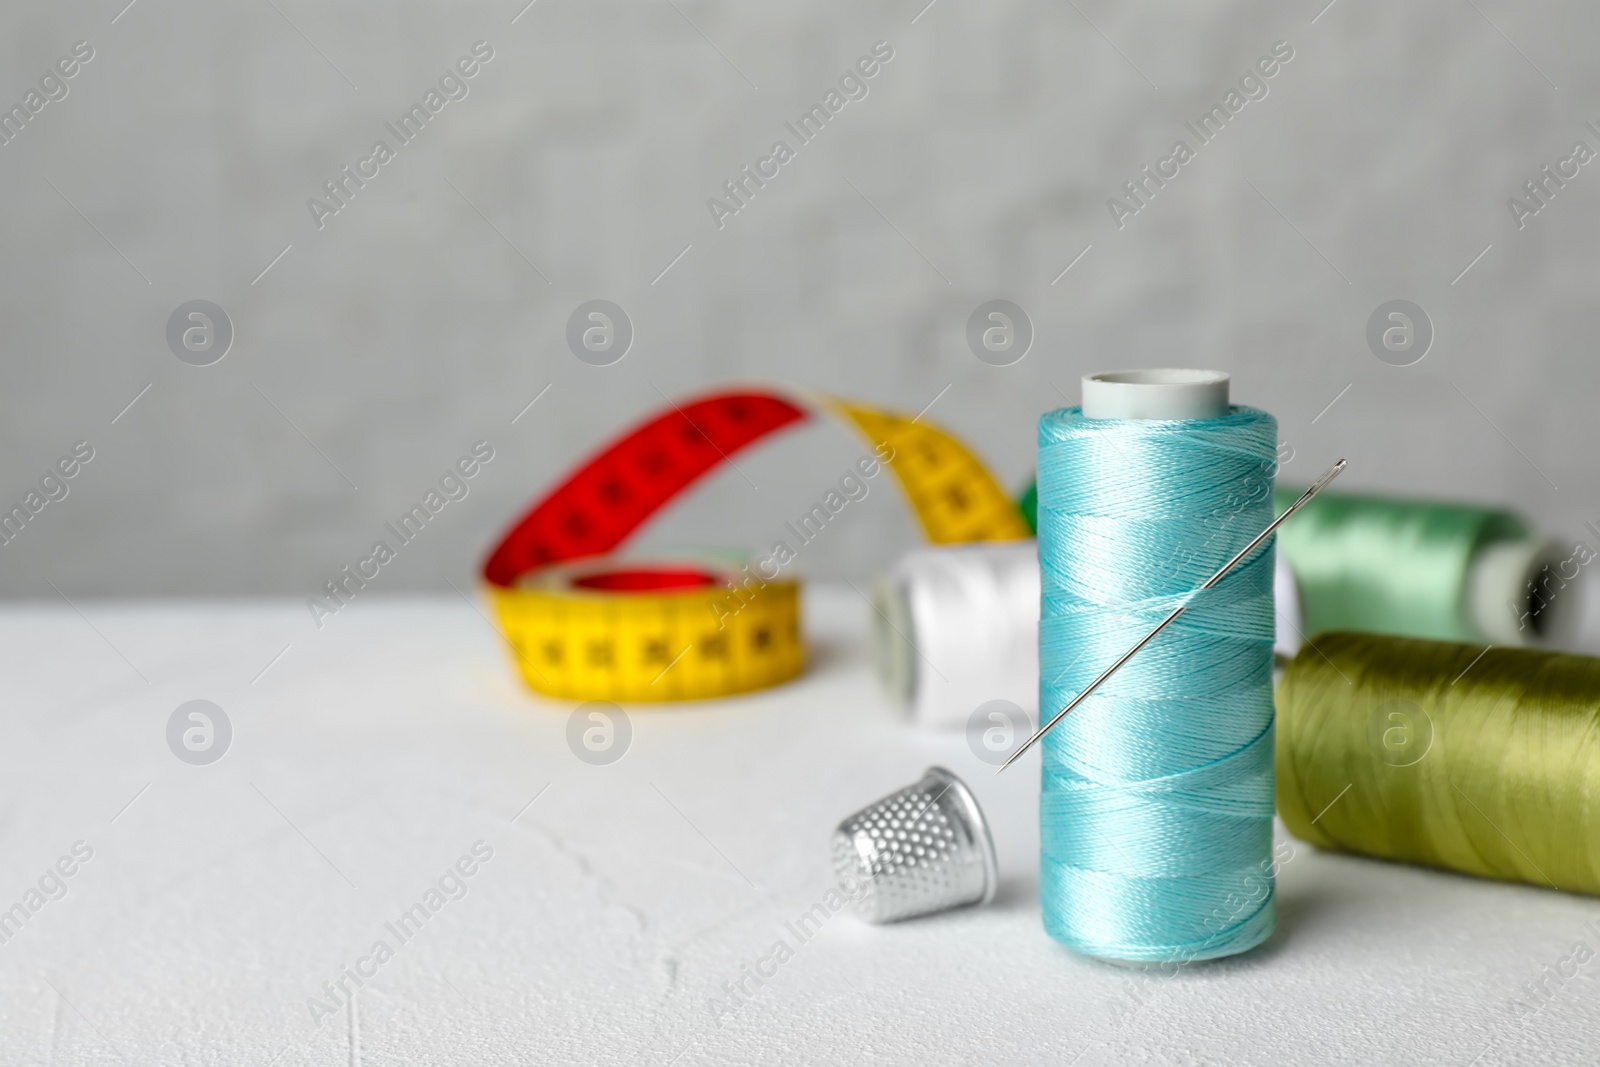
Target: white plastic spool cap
(1515,597)
(1167,393)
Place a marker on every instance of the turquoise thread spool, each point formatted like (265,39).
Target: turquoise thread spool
(1157,799)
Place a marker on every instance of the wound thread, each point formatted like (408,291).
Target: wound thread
(1156,808)
(1481,761)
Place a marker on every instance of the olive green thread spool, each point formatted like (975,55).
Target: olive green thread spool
(1482,761)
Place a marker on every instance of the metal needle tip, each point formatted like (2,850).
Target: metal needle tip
(1316,487)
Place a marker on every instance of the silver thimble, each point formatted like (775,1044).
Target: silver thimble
(923,849)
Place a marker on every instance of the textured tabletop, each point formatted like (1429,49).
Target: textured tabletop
(387,782)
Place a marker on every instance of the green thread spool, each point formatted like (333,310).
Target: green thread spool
(1444,754)
(1453,572)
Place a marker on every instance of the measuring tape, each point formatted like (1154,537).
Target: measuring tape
(585,626)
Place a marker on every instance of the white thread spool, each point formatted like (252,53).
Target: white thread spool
(957,626)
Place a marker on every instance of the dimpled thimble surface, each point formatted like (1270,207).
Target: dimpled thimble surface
(918,851)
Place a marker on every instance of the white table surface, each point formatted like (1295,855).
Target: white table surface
(374,753)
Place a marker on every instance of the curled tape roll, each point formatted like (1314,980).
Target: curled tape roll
(587,626)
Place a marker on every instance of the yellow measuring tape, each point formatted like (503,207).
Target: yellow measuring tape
(587,626)
(954,496)
(651,632)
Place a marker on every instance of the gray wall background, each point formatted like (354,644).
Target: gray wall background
(428,312)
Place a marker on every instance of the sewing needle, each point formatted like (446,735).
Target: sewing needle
(1316,487)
